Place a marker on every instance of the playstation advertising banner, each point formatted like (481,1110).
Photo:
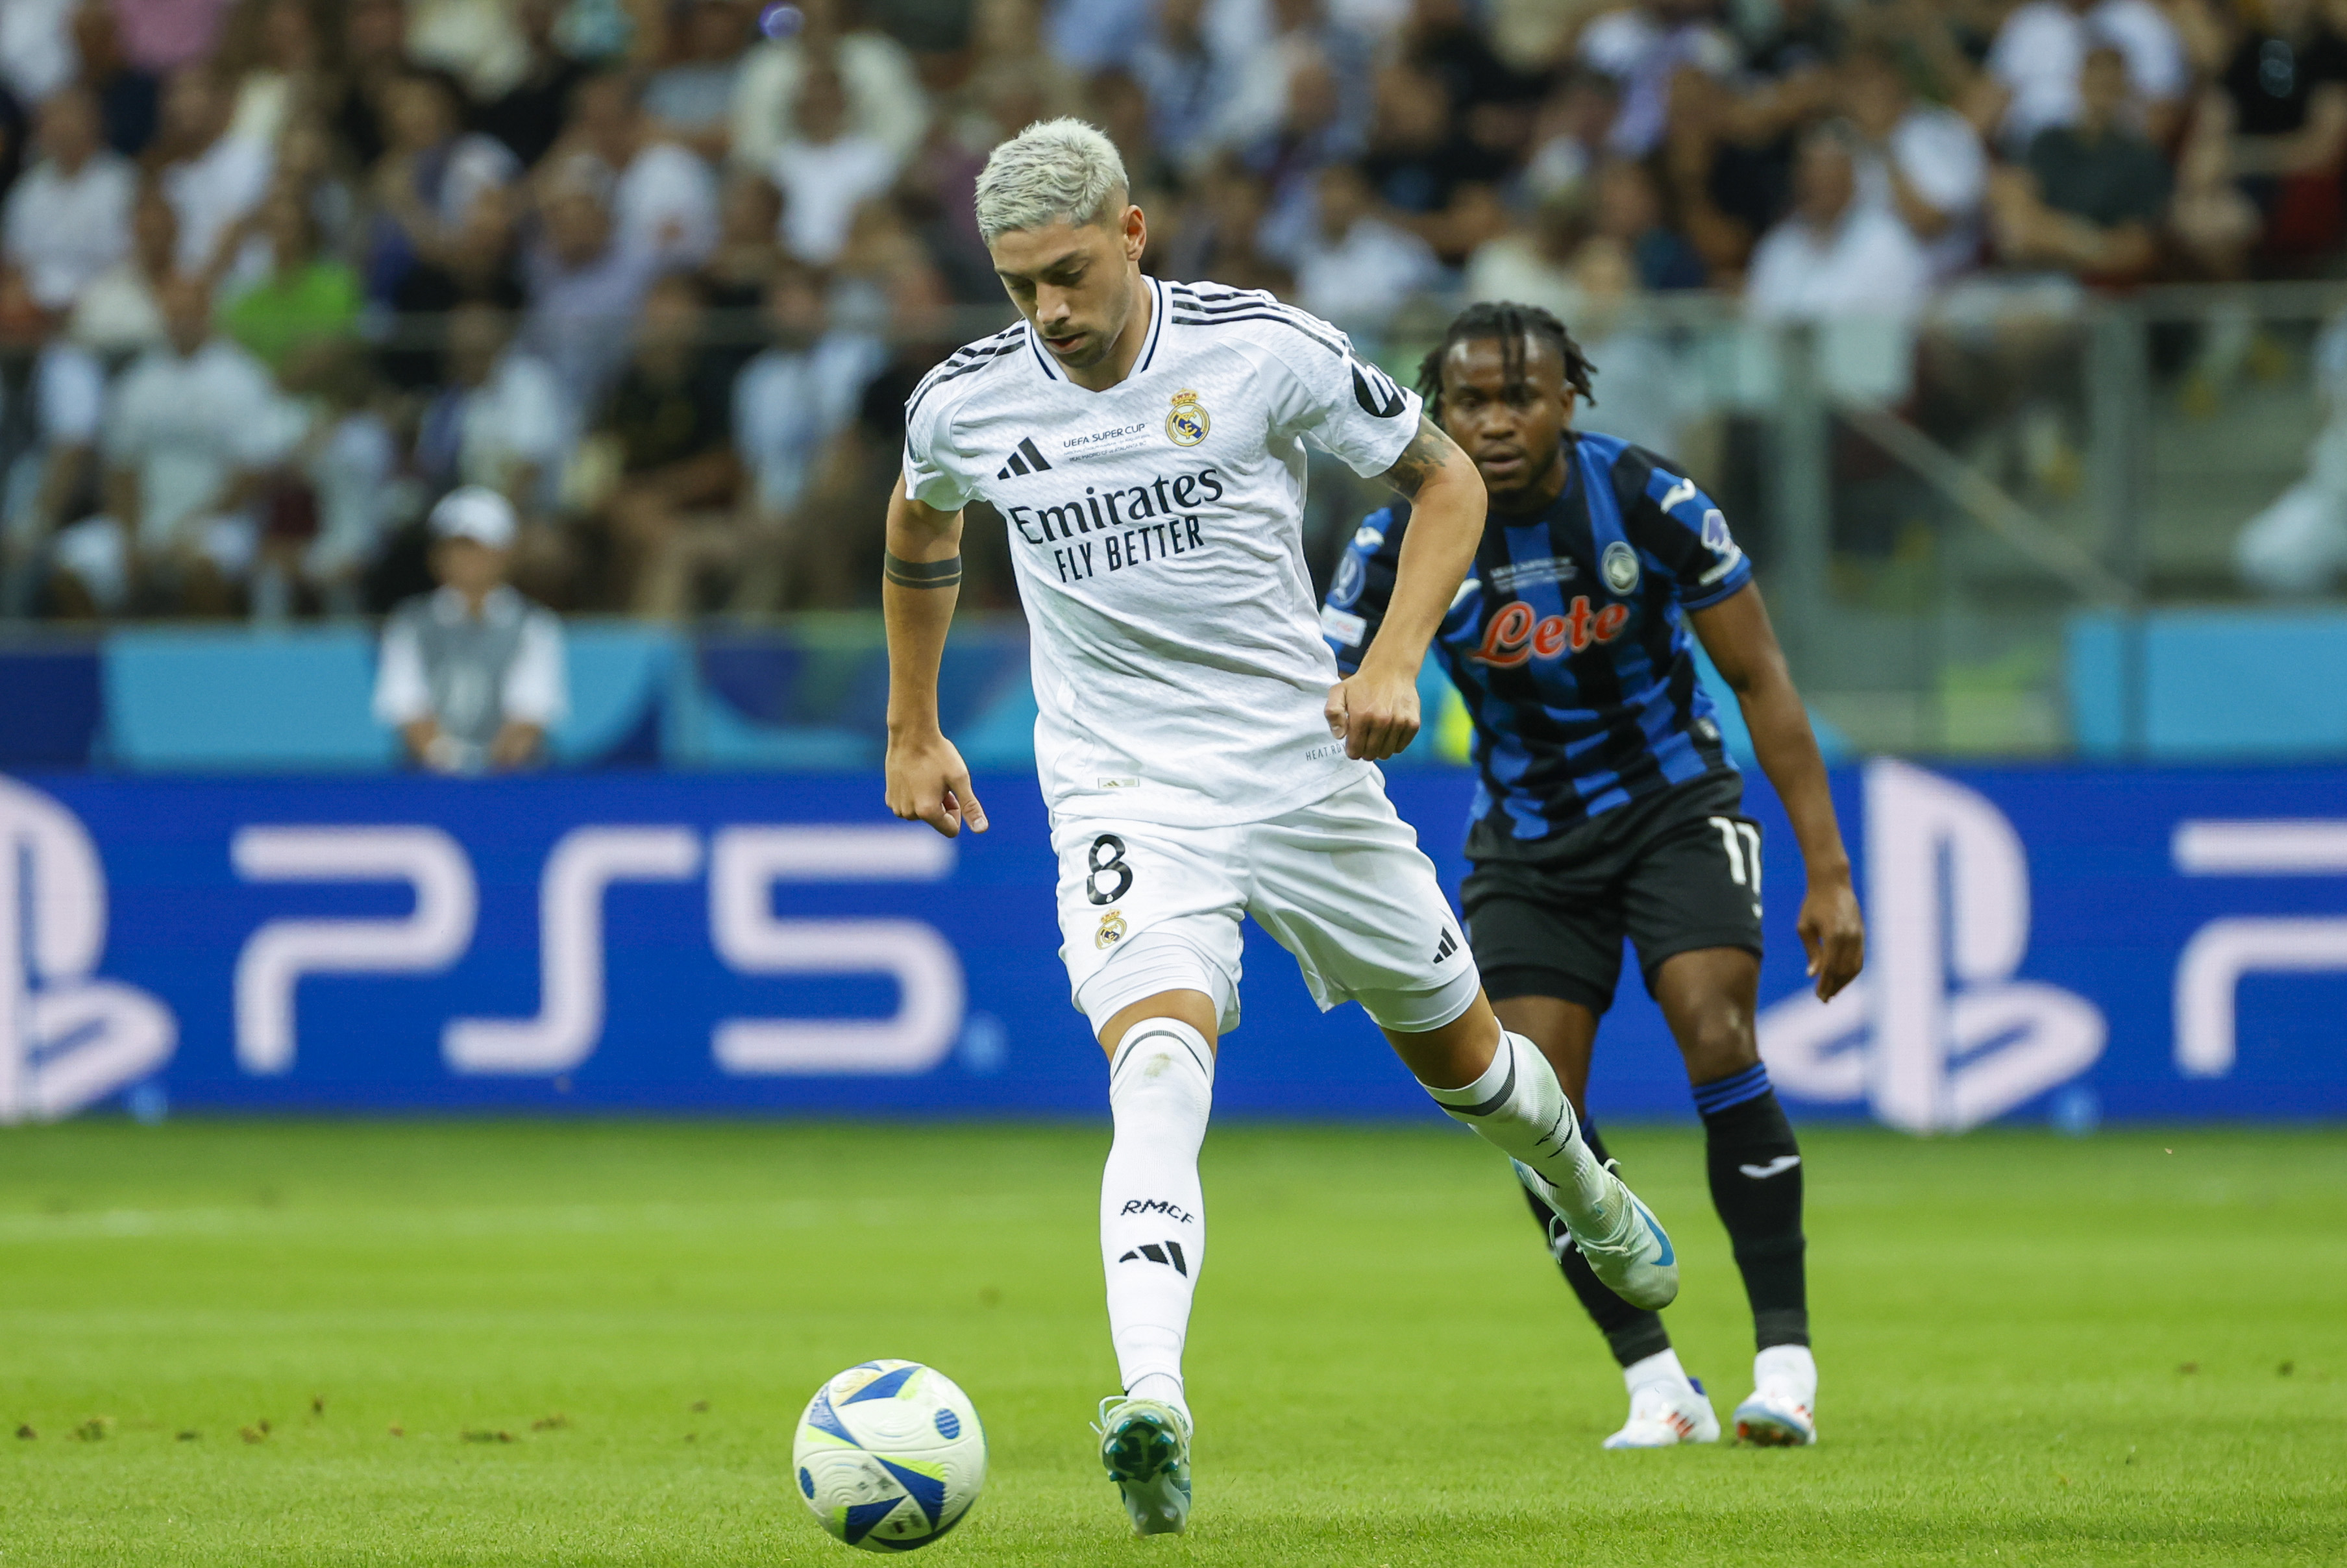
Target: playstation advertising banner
(2064,943)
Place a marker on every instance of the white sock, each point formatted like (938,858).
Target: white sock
(1789,1367)
(1518,1108)
(1661,1367)
(1152,1216)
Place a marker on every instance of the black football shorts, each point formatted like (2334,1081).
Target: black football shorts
(1675,871)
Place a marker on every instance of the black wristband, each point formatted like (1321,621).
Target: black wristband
(945,573)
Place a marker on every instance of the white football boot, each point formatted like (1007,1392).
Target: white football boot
(1782,1410)
(1633,1256)
(1668,1407)
(1145,1448)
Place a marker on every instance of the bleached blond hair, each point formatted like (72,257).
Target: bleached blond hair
(1054,171)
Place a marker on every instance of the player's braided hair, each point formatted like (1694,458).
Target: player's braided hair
(1510,323)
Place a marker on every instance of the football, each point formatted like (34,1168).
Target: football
(889,1455)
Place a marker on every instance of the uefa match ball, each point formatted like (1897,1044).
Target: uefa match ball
(889,1455)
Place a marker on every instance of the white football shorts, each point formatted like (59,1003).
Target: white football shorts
(1341,883)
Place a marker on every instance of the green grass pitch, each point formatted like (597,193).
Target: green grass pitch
(587,1343)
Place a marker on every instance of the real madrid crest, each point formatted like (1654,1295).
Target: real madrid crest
(1187,425)
(1112,929)
(1619,567)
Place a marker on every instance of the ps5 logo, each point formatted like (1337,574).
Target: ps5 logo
(68,1038)
(1937,1035)
(743,863)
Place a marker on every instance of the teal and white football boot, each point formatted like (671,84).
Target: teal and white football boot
(1633,1255)
(1145,1448)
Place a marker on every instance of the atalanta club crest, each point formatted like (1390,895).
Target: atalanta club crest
(1619,567)
(1187,425)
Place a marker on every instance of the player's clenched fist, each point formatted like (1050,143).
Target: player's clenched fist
(1375,715)
(927,781)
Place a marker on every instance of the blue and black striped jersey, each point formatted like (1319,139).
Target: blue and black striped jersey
(1568,641)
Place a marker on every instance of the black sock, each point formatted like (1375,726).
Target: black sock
(1755,1185)
(1632,1333)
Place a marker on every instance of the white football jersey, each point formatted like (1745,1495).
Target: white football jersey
(1158,531)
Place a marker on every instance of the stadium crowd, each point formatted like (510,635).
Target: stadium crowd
(277,274)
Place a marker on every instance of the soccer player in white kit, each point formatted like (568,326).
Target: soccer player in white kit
(1144,443)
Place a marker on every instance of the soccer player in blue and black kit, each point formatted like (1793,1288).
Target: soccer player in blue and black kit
(1607,807)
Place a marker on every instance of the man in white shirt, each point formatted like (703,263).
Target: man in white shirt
(789,404)
(501,420)
(53,475)
(211,179)
(472,674)
(885,98)
(69,219)
(2041,49)
(192,428)
(1923,163)
(1853,269)
(825,169)
(1143,442)
(663,197)
(1362,268)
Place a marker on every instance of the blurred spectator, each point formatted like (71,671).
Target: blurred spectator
(1184,81)
(305,300)
(790,404)
(1011,68)
(164,35)
(1853,269)
(1498,102)
(690,99)
(500,419)
(885,101)
(1569,133)
(192,430)
(824,169)
(273,55)
(54,479)
(69,219)
(2296,546)
(429,179)
(472,675)
(1629,212)
(2041,49)
(1306,57)
(748,254)
(1833,256)
(1418,164)
(1922,162)
(210,178)
(583,286)
(1360,268)
(1532,264)
(669,420)
(337,492)
(120,310)
(1643,48)
(127,96)
(2089,199)
(2283,96)
(476,41)
(663,199)
(36,53)
(529,115)
(1220,236)
(374,55)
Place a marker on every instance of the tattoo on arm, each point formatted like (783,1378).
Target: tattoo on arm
(1427,453)
(945,573)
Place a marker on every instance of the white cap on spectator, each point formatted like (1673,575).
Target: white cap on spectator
(477,513)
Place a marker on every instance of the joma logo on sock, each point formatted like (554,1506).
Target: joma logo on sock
(1157,1206)
(1170,1254)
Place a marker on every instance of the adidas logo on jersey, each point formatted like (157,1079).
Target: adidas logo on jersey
(1445,948)
(1024,459)
(1169,1254)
